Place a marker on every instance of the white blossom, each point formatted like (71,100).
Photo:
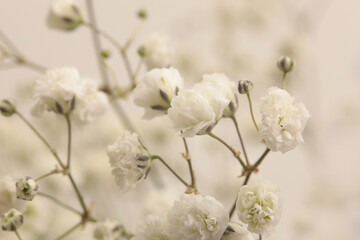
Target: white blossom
(155,92)
(155,228)
(282,121)
(237,232)
(26,188)
(8,197)
(226,87)
(64,15)
(108,230)
(196,111)
(258,205)
(129,160)
(11,220)
(158,52)
(197,217)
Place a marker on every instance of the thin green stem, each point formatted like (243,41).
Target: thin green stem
(262,157)
(80,197)
(236,154)
(9,43)
(60,203)
(68,232)
(68,123)
(133,35)
(251,112)
(55,171)
(127,65)
(104,35)
(188,159)
(283,80)
(241,140)
(35,66)
(260,236)
(17,234)
(171,170)
(52,150)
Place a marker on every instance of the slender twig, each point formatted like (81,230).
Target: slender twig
(241,140)
(17,234)
(35,66)
(68,123)
(69,231)
(80,197)
(60,203)
(262,157)
(234,204)
(55,171)
(52,150)
(236,154)
(103,34)
(283,80)
(133,35)
(251,112)
(171,170)
(127,65)
(9,43)
(188,159)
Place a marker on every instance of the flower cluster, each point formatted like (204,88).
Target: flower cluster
(158,52)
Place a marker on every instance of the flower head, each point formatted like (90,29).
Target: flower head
(12,220)
(108,230)
(282,121)
(258,206)
(158,53)
(129,160)
(155,227)
(26,188)
(156,91)
(64,15)
(197,217)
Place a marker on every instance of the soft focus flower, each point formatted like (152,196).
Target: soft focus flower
(158,53)
(237,232)
(282,121)
(129,160)
(197,217)
(258,206)
(108,230)
(226,87)
(26,188)
(12,220)
(156,91)
(197,110)
(8,195)
(64,15)
(61,90)
(7,107)
(154,228)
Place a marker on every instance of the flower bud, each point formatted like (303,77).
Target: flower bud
(7,107)
(142,51)
(142,14)
(12,220)
(245,86)
(105,54)
(26,188)
(64,15)
(285,64)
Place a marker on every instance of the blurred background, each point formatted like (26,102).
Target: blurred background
(319,180)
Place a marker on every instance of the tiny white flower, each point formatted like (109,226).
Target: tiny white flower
(64,15)
(156,91)
(196,111)
(26,188)
(226,87)
(108,230)
(158,52)
(258,205)
(129,160)
(197,217)
(155,228)
(282,121)
(8,197)
(237,232)
(12,220)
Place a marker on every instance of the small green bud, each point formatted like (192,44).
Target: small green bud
(285,64)
(12,220)
(142,14)
(142,51)
(105,54)
(26,188)
(7,107)
(245,86)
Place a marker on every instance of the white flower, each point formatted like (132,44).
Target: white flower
(108,230)
(156,91)
(154,228)
(258,205)
(237,232)
(197,110)
(61,90)
(197,217)
(282,121)
(129,160)
(8,197)
(64,15)
(12,220)
(158,53)
(26,188)
(226,87)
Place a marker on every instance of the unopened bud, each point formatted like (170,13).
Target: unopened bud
(105,54)
(286,64)
(142,14)
(7,107)
(12,220)
(142,51)
(245,86)
(26,188)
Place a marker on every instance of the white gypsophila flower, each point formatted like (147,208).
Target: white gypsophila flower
(108,230)
(11,220)
(158,52)
(62,90)
(282,121)
(26,188)
(155,92)
(258,205)
(226,87)
(64,15)
(197,217)
(155,228)
(8,197)
(237,232)
(129,160)
(196,111)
